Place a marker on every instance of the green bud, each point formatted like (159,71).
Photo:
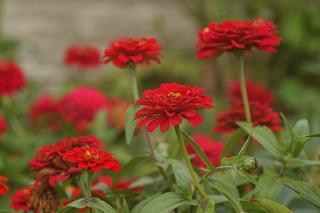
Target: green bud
(249,163)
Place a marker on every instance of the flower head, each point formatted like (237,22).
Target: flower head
(229,36)
(80,106)
(170,104)
(44,111)
(82,57)
(3,187)
(260,113)
(92,159)
(213,150)
(49,162)
(20,199)
(256,93)
(3,126)
(12,79)
(133,51)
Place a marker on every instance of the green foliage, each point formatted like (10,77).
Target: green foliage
(130,123)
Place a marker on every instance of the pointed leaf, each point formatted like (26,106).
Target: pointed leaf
(79,204)
(272,207)
(301,128)
(296,162)
(131,123)
(103,206)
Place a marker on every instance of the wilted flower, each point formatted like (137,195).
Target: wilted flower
(117,113)
(88,158)
(256,92)
(133,51)
(230,36)
(12,78)
(170,104)
(213,150)
(80,106)
(261,115)
(82,57)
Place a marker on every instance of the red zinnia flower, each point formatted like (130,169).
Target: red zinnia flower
(82,57)
(11,78)
(170,104)
(49,162)
(3,188)
(20,199)
(80,106)
(133,51)
(91,158)
(3,126)
(213,150)
(261,115)
(237,35)
(256,92)
(44,111)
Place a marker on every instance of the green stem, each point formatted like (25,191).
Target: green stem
(188,163)
(240,58)
(135,90)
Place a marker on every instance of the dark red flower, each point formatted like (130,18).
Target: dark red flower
(44,112)
(82,57)
(117,113)
(213,150)
(261,115)
(108,182)
(80,106)
(229,36)
(256,92)
(170,104)
(3,126)
(133,51)
(20,199)
(12,79)
(92,159)
(3,187)
(49,162)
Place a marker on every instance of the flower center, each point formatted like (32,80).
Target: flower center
(174,94)
(90,155)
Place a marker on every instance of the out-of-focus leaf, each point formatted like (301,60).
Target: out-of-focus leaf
(199,151)
(315,135)
(131,123)
(207,206)
(81,203)
(301,128)
(161,203)
(103,206)
(265,137)
(233,141)
(296,162)
(306,190)
(181,174)
(100,129)
(272,207)
(268,187)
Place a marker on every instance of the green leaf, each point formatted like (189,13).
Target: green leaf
(265,137)
(181,174)
(99,128)
(199,151)
(103,206)
(304,189)
(128,167)
(315,135)
(247,176)
(296,162)
(268,186)
(81,203)
(161,203)
(301,128)
(229,191)
(131,123)
(272,207)
(233,142)
(207,206)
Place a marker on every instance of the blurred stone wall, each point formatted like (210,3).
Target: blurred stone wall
(46,27)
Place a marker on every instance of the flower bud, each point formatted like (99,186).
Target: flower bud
(249,163)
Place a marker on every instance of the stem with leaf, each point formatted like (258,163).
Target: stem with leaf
(187,161)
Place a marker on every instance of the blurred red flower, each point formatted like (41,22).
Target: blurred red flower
(229,36)
(260,113)
(213,149)
(117,113)
(3,126)
(92,159)
(170,104)
(82,57)
(256,92)
(3,187)
(12,78)
(79,107)
(44,112)
(133,51)
(20,199)
(108,182)
(49,162)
